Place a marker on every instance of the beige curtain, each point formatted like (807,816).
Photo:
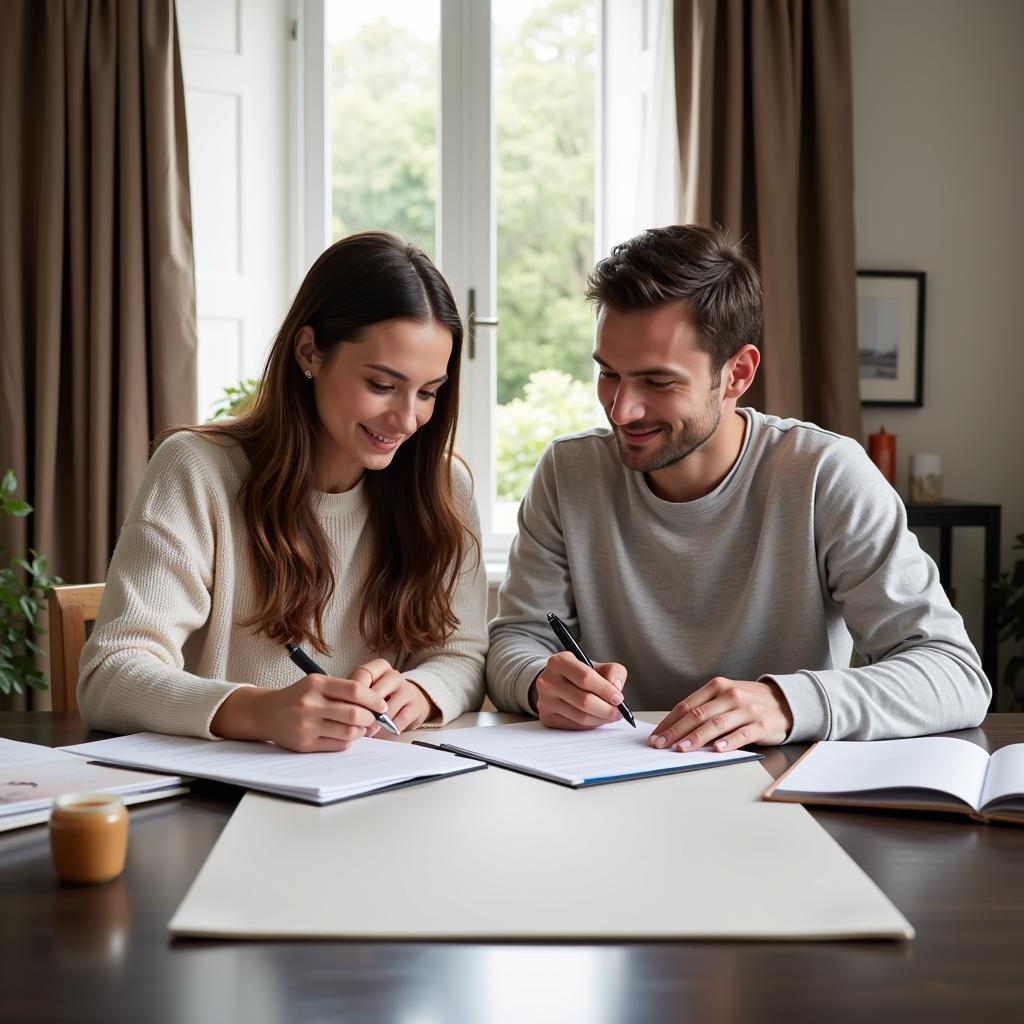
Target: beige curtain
(763,105)
(97,287)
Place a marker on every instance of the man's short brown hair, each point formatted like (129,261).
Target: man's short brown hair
(702,267)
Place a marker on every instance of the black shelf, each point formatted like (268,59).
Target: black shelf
(946,515)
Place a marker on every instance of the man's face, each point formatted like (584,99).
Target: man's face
(656,385)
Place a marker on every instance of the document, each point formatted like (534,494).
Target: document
(931,773)
(611,753)
(32,775)
(368,766)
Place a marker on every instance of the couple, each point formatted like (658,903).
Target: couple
(712,560)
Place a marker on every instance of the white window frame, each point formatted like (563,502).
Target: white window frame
(466,234)
(310,173)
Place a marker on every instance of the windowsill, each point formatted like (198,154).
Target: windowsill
(497,566)
(496,546)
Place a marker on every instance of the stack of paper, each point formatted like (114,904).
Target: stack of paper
(368,766)
(32,775)
(612,753)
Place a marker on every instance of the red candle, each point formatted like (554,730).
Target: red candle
(882,452)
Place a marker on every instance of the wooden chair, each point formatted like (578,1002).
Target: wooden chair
(72,610)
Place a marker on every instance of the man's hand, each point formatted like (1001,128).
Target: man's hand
(728,713)
(570,695)
(408,706)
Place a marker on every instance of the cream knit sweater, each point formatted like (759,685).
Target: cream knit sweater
(167,647)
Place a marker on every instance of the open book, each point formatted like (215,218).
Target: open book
(930,773)
(368,766)
(610,753)
(31,776)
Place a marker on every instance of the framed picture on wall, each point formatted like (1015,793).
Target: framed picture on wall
(890,336)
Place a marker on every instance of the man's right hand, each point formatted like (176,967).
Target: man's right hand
(318,713)
(570,695)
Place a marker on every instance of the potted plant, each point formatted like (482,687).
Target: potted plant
(1009,595)
(24,586)
(235,399)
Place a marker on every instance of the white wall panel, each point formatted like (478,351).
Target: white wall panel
(220,359)
(214,134)
(210,24)
(235,59)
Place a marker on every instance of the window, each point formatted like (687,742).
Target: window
(508,138)
(383,108)
(545,70)
(469,128)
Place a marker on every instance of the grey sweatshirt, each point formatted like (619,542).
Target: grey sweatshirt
(799,556)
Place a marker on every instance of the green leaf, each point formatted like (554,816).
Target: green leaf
(9,484)
(9,682)
(17,508)
(28,608)
(235,398)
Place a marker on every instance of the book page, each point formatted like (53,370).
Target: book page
(591,755)
(1005,776)
(940,763)
(14,752)
(367,764)
(31,775)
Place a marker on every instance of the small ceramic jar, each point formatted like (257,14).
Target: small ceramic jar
(88,836)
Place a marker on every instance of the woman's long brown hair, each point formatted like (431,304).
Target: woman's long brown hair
(420,537)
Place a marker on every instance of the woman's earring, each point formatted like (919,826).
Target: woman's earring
(308,373)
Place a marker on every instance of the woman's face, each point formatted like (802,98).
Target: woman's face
(372,395)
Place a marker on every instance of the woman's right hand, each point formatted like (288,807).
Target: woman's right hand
(318,713)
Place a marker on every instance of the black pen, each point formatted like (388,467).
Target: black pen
(310,667)
(566,640)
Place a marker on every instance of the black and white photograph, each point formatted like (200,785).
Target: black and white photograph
(890,336)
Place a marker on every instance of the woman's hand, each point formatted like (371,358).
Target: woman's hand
(408,706)
(318,713)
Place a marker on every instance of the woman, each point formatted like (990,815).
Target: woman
(331,513)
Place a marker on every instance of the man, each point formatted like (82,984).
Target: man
(716,560)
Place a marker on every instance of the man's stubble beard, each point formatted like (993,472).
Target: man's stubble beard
(695,434)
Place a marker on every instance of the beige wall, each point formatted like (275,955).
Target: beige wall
(938,96)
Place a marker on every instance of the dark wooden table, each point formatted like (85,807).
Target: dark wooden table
(74,954)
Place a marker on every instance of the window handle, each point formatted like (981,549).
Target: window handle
(473,321)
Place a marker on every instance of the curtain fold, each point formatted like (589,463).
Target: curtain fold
(97,283)
(765,125)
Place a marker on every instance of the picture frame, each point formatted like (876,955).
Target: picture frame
(890,337)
